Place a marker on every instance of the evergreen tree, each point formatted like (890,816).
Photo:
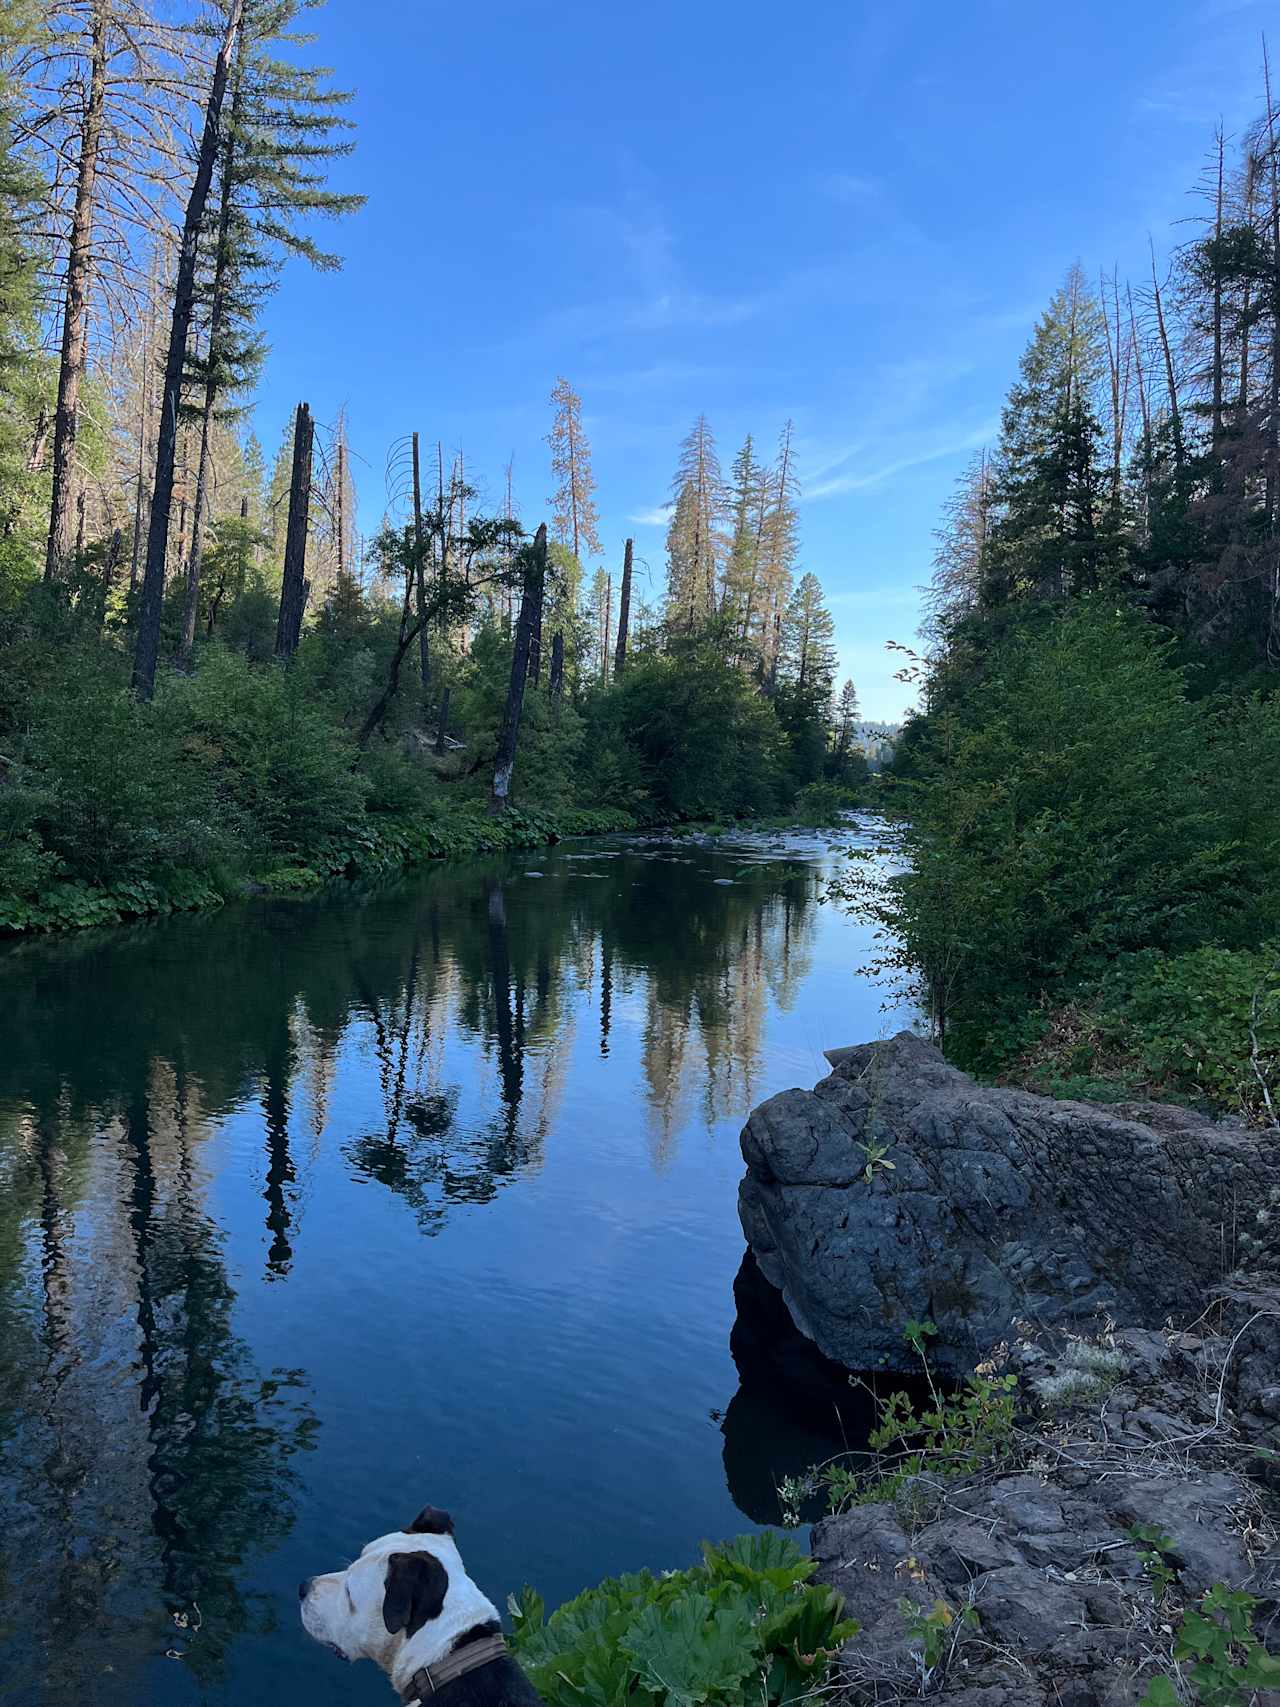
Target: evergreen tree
(777,549)
(21,369)
(284,125)
(693,538)
(846,720)
(1049,537)
(748,498)
(573,505)
(808,639)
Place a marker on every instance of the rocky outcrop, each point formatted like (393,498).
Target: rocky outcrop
(898,1188)
(1038,1565)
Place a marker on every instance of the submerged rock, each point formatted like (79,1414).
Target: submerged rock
(900,1189)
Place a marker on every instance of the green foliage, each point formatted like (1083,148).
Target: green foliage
(821,803)
(745,1625)
(1202,1027)
(276,762)
(709,746)
(952,1436)
(933,1631)
(1226,1664)
(1154,1547)
(1059,813)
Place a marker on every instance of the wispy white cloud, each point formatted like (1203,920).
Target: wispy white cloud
(862,479)
(654,516)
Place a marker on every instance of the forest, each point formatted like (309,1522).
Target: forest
(1090,792)
(209,677)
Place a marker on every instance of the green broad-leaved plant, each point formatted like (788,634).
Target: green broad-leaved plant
(745,1625)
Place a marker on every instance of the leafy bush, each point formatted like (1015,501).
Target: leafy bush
(709,746)
(113,789)
(952,1436)
(745,1626)
(1059,812)
(821,803)
(1202,1026)
(1227,1666)
(273,756)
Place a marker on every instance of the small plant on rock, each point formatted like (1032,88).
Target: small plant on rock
(955,1435)
(934,1632)
(1227,1664)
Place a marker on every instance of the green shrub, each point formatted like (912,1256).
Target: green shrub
(743,1627)
(1060,811)
(287,773)
(1202,1027)
(116,792)
(821,803)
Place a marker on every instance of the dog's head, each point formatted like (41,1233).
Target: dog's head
(404,1603)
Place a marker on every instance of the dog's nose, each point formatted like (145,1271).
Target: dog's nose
(304,1587)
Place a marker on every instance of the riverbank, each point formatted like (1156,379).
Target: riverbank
(1081,1507)
(369,849)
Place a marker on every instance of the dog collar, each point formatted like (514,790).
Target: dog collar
(428,1679)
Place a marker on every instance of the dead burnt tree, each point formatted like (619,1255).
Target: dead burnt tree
(624,612)
(293,589)
(147,652)
(75,320)
(535,575)
(420,583)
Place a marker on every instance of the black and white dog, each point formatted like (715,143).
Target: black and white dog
(408,1604)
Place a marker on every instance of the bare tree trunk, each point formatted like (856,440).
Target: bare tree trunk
(624,612)
(535,635)
(148,647)
(534,579)
(1175,416)
(111,563)
(293,590)
(1217,306)
(442,727)
(1273,410)
(420,585)
(217,315)
(342,500)
(555,680)
(1144,405)
(608,628)
(75,320)
(39,441)
(378,710)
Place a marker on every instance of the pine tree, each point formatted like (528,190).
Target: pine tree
(959,559)
(20,366)
(742,568)
(846,720)
(808,640)
(147,647)
(693,537)
(284,124)
(573,505)
(1049,537)
(778,547)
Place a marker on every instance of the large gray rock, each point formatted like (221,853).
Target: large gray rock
(1000,1207)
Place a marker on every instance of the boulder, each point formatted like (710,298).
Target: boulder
(899,1188)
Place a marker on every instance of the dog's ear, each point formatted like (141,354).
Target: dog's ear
(415,1589)
(431,1521)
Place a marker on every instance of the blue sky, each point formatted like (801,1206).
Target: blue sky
(846,214)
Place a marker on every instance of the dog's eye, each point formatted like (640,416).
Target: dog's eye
(350,1600)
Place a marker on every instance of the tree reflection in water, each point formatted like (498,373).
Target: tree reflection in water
(148,1459)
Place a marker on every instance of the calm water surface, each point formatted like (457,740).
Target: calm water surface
(314,1211)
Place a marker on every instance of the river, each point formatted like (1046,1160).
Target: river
(315,1211)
